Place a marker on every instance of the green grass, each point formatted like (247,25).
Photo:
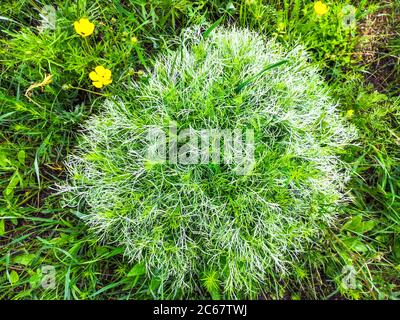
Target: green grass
(38,133)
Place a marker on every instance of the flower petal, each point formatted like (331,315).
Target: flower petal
(107,73)
(100,70)
(84,21)
(89,29)
(77,27)
(98,84)
(94,76)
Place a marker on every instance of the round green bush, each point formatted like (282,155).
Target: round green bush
(205,227)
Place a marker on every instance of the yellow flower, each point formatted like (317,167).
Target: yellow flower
(84,27)
(134,40)
(349,113)
(100,76)
(320,8)
(281,27)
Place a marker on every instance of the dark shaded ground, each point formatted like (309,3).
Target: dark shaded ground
(377,50)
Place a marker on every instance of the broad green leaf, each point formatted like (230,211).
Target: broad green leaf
(355,244)
(14,277)
(24,259)
(15,179)
(154,284)
(356,224)
(368,225)
(21,156)
(4,162)
(35,279)
(137,270)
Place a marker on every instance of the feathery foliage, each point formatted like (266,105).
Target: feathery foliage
(203,223)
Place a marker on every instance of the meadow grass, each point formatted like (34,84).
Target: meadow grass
(38,132)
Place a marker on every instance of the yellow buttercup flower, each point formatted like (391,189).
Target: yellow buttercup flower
(349,113)
(320,8)
(100,76)
(84,27)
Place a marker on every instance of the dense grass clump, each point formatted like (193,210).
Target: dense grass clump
(193,226)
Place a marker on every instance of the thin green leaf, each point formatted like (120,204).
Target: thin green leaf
(251,79)
(212,27)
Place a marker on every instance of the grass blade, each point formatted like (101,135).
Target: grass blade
(249,80)
(212,27)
